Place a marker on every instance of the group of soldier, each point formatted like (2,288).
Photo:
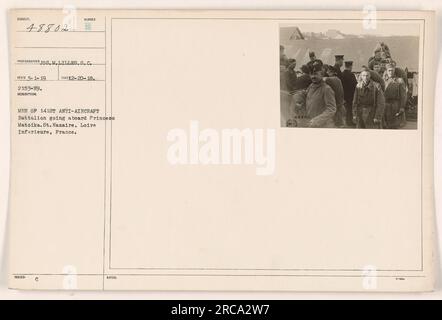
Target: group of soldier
(327,96)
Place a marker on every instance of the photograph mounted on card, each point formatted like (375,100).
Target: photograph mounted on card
(222,150)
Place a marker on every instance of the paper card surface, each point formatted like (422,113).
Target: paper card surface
(221,150)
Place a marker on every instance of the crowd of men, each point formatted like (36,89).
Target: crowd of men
(326,96)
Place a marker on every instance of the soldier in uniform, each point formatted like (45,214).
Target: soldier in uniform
(303,81)
(283,74)
(368,103)
(399,72)
(283,61)
(349,84)
(375,59)
(381,52)
(312,57)
(335,83)
(320,100)
(339,62)
(395,98)
(374,76)
(377,67)
(291,75)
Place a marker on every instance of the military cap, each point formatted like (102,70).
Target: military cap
(339,56)
(331,69)
(305,68)
(348,63)
(391,61)
(365,68)
(316,66)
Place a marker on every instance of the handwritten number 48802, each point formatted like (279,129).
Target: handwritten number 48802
(47,27)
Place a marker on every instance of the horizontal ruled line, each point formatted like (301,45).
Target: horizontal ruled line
(59,47)
(61,32)
(219,275)
(59,64)
(61,80)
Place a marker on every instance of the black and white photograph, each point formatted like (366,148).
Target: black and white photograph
(147,155)
(349,75)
